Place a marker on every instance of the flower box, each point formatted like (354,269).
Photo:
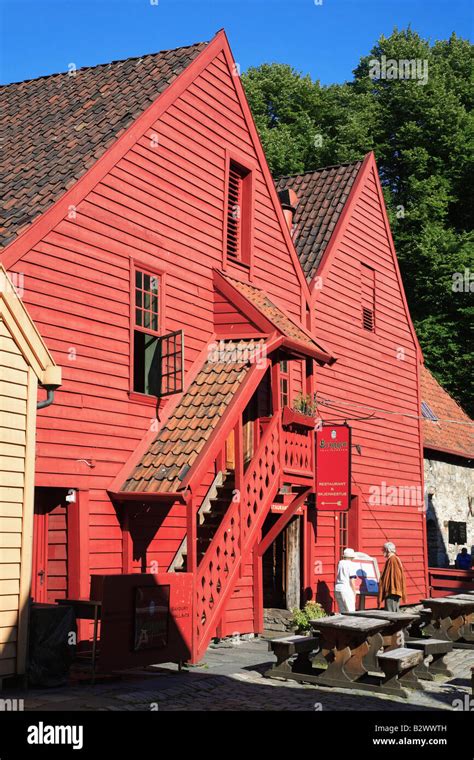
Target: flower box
(293,417)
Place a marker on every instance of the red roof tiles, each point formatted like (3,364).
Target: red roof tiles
(322,195)
(186,432)
(455,437)
(58,126)
(273,313)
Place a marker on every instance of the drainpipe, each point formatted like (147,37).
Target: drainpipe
(51,381)
(49,398)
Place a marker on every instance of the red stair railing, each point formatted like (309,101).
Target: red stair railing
(218,570)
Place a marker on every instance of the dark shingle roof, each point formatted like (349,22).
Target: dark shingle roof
(186,432)
(322,195)
(54,128)
(456,436)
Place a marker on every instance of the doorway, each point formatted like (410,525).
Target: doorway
(281,566)
(50,545)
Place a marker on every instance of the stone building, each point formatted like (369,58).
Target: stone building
(448,443)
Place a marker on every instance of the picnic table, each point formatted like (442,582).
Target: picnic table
(346,641)
(390,637)
(451,618)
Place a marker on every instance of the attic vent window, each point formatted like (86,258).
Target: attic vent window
(367,319)
(367,282)
(427,412)
(238,214)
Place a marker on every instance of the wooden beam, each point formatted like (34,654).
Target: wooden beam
(281,522)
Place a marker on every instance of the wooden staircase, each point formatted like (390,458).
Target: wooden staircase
(209,518)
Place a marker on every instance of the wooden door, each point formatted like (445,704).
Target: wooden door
(50,539)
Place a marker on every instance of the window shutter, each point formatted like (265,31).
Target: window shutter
(368,297)
(234,212)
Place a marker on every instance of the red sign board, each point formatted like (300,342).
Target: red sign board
(333,468)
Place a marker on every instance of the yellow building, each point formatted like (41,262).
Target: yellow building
(25,363)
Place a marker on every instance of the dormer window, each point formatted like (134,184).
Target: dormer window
(239,214)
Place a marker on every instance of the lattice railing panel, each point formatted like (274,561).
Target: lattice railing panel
(219,567)
(297,451)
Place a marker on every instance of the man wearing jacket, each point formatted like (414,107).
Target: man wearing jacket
(392,585)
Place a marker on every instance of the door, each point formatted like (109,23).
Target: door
(50,539)
(281,566)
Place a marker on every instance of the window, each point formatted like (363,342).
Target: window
(457,533)
(343,532)
(368,298)
(284,383)
(238,214)
(427,412)
(157,359)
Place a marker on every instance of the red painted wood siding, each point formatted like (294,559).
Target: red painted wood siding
(57,540)
(228,320)
(379,370)
(164,206)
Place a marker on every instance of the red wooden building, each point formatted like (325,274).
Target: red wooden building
(158,264)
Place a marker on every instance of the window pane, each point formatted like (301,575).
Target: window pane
(139,279)
(138,318)
(146,364)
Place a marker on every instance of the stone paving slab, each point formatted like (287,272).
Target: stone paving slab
(232,680)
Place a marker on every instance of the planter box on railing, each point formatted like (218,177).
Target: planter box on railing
(293,417)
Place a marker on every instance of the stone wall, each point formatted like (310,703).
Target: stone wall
(449,484)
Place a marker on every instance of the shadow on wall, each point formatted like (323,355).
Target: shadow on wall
(437,549)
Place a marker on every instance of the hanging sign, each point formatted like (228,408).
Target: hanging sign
(333,468)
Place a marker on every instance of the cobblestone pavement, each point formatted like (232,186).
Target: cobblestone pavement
(231,678)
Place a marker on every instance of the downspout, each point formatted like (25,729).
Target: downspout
(48,400)
(51,381)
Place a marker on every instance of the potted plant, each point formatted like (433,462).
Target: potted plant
(303,411)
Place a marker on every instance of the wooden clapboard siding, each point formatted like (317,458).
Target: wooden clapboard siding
(14,392)
(379,370)
(238,617)
(162,207)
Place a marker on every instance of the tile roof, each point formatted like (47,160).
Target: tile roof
(272,312)
(444,435)
(191,424)
(57,126)
(322,195)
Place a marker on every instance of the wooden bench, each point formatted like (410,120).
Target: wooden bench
(437,649)
(286,648)
(398,666)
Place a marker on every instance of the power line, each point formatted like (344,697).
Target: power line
(331,404)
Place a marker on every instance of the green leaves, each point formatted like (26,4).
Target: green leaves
(422,136)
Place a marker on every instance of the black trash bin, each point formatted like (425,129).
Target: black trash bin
(51,650)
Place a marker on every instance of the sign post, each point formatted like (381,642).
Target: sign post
(333,468)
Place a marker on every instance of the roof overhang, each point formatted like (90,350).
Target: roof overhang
(268,326)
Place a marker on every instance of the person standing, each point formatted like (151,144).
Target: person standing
(392,586)
(345,588)
(463,560)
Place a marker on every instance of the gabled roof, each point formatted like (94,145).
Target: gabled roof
(25,333)
(322,195)
(275,318)
(169,458)
(455,436)
(57,126)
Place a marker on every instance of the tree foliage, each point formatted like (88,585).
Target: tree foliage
(422,136)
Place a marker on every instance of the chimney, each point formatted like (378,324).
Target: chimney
(289,202)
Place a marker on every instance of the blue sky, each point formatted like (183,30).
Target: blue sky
(40,37)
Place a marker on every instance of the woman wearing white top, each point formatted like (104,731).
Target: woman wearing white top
(345,588)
